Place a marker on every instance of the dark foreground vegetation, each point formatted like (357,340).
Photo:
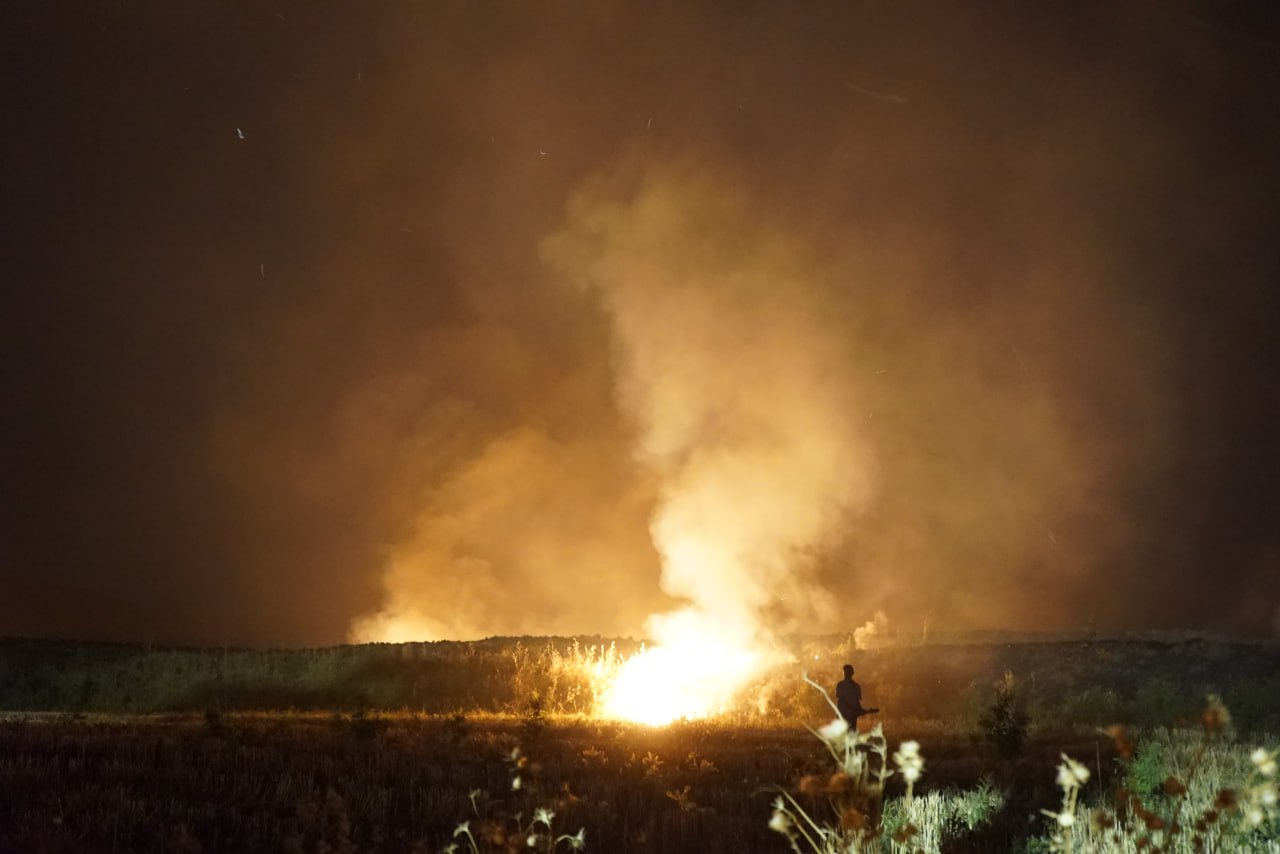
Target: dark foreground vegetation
(392,748)
(292,782)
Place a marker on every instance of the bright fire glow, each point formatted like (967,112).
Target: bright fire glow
(693,673)
(390,627)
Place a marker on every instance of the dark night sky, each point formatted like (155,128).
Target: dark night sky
(244,377)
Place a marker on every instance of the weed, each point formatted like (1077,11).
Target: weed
(855,791)
(533,722)
(505,830)
(683,798)
(938,816)
(593,757)
(1207,800)
(1193,811)
(1146,771)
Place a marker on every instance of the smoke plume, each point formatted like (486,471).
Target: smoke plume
(965,316)
(735,385)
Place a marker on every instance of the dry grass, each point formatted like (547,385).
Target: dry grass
(204,777)
(1210,794)
(312,782)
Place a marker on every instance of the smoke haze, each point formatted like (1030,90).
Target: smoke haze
(427,321)
(737,385)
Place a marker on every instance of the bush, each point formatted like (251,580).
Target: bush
(1146,772)
(1004,725)
(1255,705)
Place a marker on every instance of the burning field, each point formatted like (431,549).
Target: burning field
(394,747)
(754,463)
(608,376)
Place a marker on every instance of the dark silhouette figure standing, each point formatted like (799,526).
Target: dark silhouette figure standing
(849,699)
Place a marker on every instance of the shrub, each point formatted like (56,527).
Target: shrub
(1146,771)
(1159,702)
(1255,705)
(1004,725)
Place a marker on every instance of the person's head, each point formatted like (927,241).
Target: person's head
(848,671)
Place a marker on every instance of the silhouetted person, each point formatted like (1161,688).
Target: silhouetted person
(849,699)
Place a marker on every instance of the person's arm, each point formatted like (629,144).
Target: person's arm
(857,699)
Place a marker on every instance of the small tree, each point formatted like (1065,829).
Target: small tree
(1004,724)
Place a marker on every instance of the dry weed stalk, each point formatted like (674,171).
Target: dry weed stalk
(855,791)
(1136,827)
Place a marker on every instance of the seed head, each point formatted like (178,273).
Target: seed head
(1071,774)
(835,729)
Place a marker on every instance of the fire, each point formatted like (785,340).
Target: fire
(695,672)
(397,627)
(665,684)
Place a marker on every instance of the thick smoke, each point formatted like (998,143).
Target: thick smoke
(528,537)
(736,384)
(982,298)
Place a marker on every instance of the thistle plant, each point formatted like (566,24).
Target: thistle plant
(507,832)
(855,791)
(910,763)
(539,835)
(1258,804)
(1225,819)
(1071,777)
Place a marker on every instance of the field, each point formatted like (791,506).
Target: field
(392,748)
